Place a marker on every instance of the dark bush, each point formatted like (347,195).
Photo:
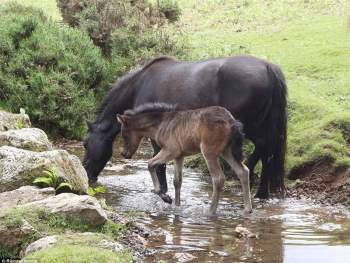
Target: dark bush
(53,71)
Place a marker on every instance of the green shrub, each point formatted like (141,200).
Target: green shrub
(170,9)
(53,71)
(128,32)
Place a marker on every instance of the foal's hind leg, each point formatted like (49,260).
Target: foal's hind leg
(161,158)
(243,174)
(178,179)
(218,180)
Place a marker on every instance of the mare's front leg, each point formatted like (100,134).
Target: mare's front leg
(161,158)
(178,179)
(160,170)
(251,163)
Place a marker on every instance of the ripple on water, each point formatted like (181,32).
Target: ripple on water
(288,231)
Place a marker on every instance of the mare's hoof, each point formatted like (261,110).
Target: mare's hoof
(262,195)
(166,198)
(93,182)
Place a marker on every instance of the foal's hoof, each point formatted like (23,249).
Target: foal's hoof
(166,198)
(247,212)
(155,192)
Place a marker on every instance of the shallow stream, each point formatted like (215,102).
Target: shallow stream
(290,230)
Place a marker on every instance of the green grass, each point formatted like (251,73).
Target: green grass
(48,6)
(46,223)
(309,40)
(78,254)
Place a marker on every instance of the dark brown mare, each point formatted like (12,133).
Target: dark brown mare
(253,90)
(212,131)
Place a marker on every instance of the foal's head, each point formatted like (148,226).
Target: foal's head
(135,123)
(131,137)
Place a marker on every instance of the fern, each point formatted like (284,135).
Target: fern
(98,190)
(50,178)
(43,181)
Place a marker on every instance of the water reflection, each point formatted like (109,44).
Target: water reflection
(288,231)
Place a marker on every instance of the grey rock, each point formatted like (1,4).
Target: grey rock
(184,257)
(13,235)
(84,207)
(111,245)
(40,244)
(32,139)
(9,121)
(20,167)
(23,195)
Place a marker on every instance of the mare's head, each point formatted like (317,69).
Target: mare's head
(131,138)
(98,146)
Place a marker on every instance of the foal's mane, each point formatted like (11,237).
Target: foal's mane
(156,107)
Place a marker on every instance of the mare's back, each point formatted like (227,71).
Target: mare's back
(190,85)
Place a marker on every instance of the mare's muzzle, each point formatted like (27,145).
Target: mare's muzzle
(126,155)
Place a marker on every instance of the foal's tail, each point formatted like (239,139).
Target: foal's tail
(237,138)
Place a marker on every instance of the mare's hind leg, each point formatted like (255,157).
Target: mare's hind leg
(161,158)
(178,179)
(243,174)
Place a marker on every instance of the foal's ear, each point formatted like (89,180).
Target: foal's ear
(121,119)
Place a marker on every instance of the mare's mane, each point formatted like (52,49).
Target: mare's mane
(109,102)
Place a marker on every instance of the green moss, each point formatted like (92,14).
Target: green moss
(49,223)
(77,254)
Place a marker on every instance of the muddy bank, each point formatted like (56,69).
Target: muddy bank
(321,182)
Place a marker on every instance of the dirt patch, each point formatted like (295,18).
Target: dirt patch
(322,182)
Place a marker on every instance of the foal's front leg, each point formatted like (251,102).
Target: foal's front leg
(178,179)
(161,158)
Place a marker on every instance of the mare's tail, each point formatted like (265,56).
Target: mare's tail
(237,138)
(277,133)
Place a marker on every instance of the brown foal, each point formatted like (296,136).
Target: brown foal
(212,131)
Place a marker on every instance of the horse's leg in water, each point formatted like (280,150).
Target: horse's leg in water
(161,170)
(217,176)
(243,174)
(251,163)
(178,179)
(161,158)
(263,190)
(218,180)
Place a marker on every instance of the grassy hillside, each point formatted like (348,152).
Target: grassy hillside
(308,39)
(48,6)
